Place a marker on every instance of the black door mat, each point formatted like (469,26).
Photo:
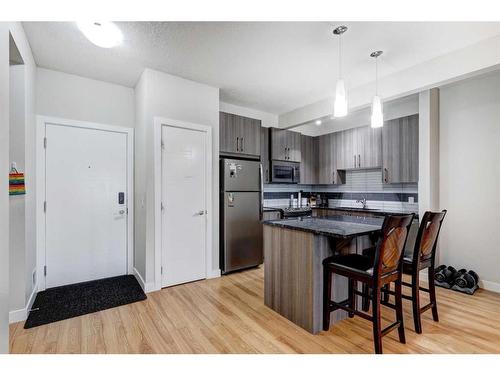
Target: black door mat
(68,301)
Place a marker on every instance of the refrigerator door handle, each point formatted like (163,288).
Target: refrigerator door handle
(261,206)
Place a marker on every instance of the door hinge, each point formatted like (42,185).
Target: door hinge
(162,206)
(161,270)
(126,210)
(44,206)
(44,142)
(162,145)
(44,270)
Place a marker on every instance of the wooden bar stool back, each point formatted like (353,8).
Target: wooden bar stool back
(385,268)
(424,256)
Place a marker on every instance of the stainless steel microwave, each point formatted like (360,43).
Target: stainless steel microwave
(285,172)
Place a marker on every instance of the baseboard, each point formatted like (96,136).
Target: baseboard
(146,287)
(489,285)
(213,274)
(483,284)
(22,314)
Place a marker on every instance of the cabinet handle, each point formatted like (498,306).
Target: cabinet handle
(386,175)
(354,161)
(242,143)
(359,160)
(237,143)
(333,177)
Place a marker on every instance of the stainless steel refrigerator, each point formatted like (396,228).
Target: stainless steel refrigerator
(241,212)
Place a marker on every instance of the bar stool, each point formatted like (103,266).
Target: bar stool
(423,257)
(374,272)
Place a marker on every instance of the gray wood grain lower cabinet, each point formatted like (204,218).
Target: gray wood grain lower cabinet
(400,150)
(309,160)
(239,135)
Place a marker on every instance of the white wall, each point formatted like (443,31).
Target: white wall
(23,287)
(470,176)
(77,98)
(4,197)
(267,119)
(164,95)
(17,207)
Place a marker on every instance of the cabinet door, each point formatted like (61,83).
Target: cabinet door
(308,164)
(368,147)
(264,153)
(326,168)
(400,150)
(250,136)
(345,149)
(228,141)
(278,144)
(409,148)
(294,146)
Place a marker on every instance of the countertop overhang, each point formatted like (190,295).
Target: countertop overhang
(335,226)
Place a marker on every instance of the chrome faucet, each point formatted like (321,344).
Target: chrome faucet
(362,201)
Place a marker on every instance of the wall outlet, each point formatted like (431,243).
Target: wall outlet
(411,200)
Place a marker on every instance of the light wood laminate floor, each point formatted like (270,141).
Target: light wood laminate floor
(227,315)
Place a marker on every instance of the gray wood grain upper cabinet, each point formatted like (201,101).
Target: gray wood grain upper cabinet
(345,149)
(285,145)
(309,160)
(359,148)
(328,157)
(264,154)
(400,150)
(368,147)
(239,135)
(294,140)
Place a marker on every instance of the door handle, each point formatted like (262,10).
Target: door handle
(121,212)
(200,213)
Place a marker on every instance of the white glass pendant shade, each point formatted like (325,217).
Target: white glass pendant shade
(377,120)
(102,34)
(340,105)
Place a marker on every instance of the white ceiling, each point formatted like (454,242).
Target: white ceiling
(269,66)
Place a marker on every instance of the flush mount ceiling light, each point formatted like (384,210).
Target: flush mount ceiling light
(102,34)
(340,104)
(317,122)
(377,120)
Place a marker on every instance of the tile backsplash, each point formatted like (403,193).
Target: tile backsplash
(359,184)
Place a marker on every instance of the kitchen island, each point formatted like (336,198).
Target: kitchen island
(294,250)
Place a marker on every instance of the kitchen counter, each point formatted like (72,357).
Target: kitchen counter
(294,250)
(352,210)
(336,226)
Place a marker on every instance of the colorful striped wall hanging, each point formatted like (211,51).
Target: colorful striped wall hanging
(16,183)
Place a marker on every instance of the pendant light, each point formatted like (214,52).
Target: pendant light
(377,120)
(340,104)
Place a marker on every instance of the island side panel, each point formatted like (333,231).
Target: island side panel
(339,283)
(293,276)
(288,274)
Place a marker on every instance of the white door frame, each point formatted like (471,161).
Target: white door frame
(42,121)
(158,123)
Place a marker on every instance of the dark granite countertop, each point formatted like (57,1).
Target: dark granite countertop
(271,209)
(335,225)
(375,212)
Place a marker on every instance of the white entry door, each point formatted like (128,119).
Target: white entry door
(86,196)
(184,218)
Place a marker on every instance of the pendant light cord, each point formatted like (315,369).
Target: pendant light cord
(376,75)
(340,56)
